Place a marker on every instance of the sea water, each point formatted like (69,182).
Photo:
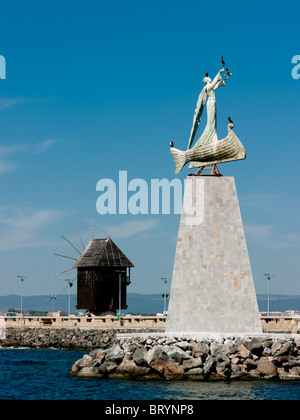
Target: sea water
(35,374)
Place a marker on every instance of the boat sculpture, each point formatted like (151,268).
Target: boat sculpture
(208,150)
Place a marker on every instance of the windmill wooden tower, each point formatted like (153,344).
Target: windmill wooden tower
(103,274)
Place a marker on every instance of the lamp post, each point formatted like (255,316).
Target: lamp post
(119,272)
(70,285)
(22,278)
(120,298)
(165,295)
(52,297)
(268,276)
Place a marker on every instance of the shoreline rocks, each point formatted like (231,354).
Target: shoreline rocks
(178,359)
(150,355)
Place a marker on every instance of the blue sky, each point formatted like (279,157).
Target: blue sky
(94,87)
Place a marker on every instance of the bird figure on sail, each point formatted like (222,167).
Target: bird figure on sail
(208,150)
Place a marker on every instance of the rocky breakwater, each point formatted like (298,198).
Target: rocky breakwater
(163,357)
(61,338)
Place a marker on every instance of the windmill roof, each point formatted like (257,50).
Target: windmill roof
(102,253)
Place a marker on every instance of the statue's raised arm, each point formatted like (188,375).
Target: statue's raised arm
(219,81)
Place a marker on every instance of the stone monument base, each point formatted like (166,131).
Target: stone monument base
(212,288)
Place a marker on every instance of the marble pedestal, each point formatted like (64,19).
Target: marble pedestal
(212,288)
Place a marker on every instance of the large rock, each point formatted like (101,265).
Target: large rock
(276,346)
(195,374)
(128,368)
(89,371)
(76,367)
(192,363)
(254,345)
(114,354)
(174,371)
(97,356)
(139,356)
(156,353)
(266,367)
(159,365)
(250,364)
(200,349)
(106,368)
(284,349)
(209,365)
(219,351)
(244,352)
(184,345)
(176,354)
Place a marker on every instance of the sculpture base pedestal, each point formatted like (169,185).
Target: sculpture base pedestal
(212,287)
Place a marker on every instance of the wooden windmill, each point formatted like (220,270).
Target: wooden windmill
(103,274)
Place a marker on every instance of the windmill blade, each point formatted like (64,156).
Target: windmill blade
(93,232)
(65,256)
(70,269)
(80,239)
(71,244)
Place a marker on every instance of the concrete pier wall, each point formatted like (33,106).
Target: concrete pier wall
(268,323)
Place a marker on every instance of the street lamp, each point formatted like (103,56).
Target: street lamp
(165,295)
(22,278)
(119,272)
(268,276)
(70,282)
(52,297)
